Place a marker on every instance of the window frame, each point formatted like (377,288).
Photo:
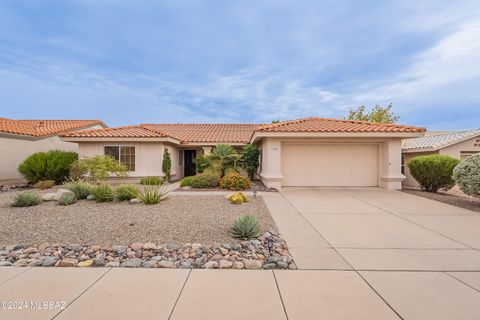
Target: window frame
(402,165)
(119,146)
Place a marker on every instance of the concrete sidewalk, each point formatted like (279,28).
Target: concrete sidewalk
(104,293)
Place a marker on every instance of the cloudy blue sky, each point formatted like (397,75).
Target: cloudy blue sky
(127,62)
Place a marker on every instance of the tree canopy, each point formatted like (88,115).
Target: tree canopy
(376,114)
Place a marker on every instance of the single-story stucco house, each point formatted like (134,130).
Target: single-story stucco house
(21,138)
(457,144)
(303,152)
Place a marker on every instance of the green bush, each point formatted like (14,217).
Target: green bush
(467,175)
(125,192)
(234,181)
(152,195)
(250,156)
(44,184)
(97,168)
(52,165)
(204,181)
(166,164)
(67,199)
(103,192)
(151,181)
(245,227)
(80,189)
(26,199)
(201,163)
(433,172)
(186,182)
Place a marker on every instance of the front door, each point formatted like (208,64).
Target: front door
(189,163)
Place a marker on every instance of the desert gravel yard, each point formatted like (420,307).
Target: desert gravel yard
(178,219)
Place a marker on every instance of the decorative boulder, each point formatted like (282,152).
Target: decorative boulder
(49,196)
(61,192)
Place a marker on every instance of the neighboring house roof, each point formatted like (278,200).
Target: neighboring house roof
(436,142)
(44,128)
(118,132)
(335,125)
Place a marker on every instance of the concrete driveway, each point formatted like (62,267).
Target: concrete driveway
(364,253)
(420,257)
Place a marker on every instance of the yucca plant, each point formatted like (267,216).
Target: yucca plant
(152,194)
(125,192)
(103,192)
(67,199)
(245,227)
(80,189)
(26,199)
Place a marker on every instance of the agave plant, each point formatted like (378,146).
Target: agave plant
(245,227)
(67,199)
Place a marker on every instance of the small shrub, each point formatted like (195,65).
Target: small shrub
(467,175)
(52,165)
(103,192)
(245,227)
(26,199)
(201,163)
(166,164)
(250,156)
(238,198)
(152,195)
(125,192)
(234,181)
(186,182)
(67,199)
(80,189)
(151,181)
(204,181)
(44,184)
(97,168)
(433,172)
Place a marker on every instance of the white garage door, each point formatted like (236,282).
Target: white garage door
(330,164)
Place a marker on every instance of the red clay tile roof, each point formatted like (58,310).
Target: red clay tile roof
(118,132)
(186,133)
(42,128)
(335,125)
(217,133)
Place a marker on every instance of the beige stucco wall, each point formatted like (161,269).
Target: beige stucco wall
(148,156)
(470,145)
(389,159)
(14,151)
(452,150)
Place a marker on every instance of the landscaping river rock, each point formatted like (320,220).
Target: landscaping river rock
(269,251)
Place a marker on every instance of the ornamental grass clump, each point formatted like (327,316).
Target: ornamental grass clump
(126,192)
(103,193)
(44,184)
(67,199)
(26,199)
(467,176)
(245,227)
(80,189)
(151,181)
(237,198)
(152,195)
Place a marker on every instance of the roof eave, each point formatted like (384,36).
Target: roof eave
(258,135)
(418,150)
(120,139)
